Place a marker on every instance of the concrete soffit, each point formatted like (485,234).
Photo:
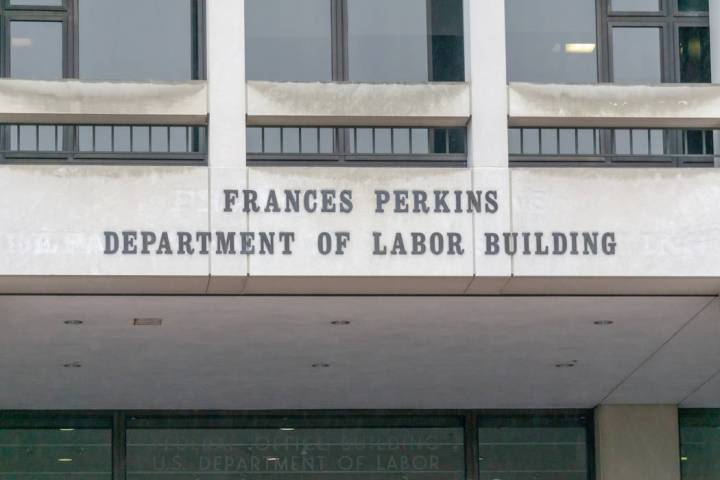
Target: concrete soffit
(358,104)
(75,101)
(667,105)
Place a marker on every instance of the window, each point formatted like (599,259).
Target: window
(298,447)
(102,39)
(585,41)
(630,44)
(517,446)
(356,40)
(671,36)
(699,444)
(55,447)
(160,144)
(551,41)
(288,40)
(135,39)
(36,50)
(610,147)
(358,145)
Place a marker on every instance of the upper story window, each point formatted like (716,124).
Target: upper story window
(552,41)
(101,39)
(621,41)
(355,40)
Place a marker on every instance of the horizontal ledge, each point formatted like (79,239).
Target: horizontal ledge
(358,104)
(347,285)
(356,121)
(643,106)
(75,101)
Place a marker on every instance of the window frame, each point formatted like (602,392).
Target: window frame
(68,14)
(339,42)
(669,19)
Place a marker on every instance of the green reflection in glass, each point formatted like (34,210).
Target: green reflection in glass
(694,54)
(354,453)
(693,5)
(56,453)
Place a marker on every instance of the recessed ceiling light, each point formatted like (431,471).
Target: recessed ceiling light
(683,459)
(72,365)
(579,47)
(603,323)
(321,365)
(340,322)
(73,322)
(64,460)
(287,429)
(147,322)
(67,429)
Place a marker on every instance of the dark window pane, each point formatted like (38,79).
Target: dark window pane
(288,40)
(694,142)
(39,3)
(405,41)
(135,40)
(693,5)
(551,41)
(700,444)
(447,41)
(55,453)
(440,140)
(694,54)
(539,447)
(302,453)
(456,137)
(635,5)
(36,50)
(630,44)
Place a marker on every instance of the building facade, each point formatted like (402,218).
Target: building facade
(359,239)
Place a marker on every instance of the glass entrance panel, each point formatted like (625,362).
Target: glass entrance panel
(302,453)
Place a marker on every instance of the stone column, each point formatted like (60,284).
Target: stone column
(715,61)
(226,82)
(485,70)
(637,442)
